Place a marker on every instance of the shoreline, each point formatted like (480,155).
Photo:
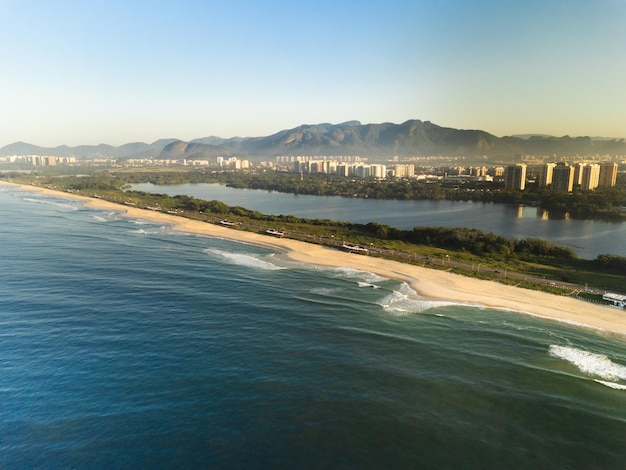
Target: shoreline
(430,283)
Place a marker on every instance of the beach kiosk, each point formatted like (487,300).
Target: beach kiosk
(618,300)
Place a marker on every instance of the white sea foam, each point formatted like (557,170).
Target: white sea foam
(590,363)
(612,385)
(400,303)
(367,284)
(153,231)
(242,259)
(407,289)
(326,290)
(362,276)
(105,216)
(52,202)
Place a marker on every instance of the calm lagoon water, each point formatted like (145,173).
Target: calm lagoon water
(588,238)
(124,344)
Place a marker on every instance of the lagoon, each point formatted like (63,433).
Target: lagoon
(587,238)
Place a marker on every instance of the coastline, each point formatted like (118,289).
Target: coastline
(430,283)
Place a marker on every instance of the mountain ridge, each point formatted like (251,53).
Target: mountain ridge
(410,138)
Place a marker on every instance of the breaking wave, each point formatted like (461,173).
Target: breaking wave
(405,300)
(612,385)
(367,284)
(363,278)
(53,202)
(243,259)
(153,231)
(593,364)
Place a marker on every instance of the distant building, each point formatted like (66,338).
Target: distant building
(498,171)
(343,169)
(405,171)
(608,174)
(515,177)
(590,177)
(478,171)
(545,178)
(378,171)
(232,163)
(578,173)
(362,171)
(563,178)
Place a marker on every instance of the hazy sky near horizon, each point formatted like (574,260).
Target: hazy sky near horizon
(89,72)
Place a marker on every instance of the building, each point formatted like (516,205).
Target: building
(378,171)
(545,178)
(618,300)
(405,171)
(515,177)
(343,169)
(478,171)
(578,173)
(498,172)
(362,171)
(590,177)
(608,174)
(563,178)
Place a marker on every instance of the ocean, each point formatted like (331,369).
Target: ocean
(124,344)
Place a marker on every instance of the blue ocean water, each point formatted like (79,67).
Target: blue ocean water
(124,344)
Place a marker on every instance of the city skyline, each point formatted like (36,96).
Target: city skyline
(117,72)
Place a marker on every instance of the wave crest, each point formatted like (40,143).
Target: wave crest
(612,385)
(401,303)
(243,259)
(53,202)
(590,363)
(154,231)
(360,276)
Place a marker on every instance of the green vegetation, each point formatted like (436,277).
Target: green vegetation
(530,263)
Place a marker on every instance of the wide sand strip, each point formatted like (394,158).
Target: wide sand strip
(430,283)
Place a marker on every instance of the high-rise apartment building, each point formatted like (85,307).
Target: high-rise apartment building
(578,173)
(405,171)
(515,176)
(563,178)
(545,178)
(590,177)
(608,174)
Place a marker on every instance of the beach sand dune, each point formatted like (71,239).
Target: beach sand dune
(430,283)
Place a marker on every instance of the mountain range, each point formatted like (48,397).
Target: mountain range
(376,141)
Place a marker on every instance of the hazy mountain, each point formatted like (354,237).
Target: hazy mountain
(410,138)
(130,150)
(413,137)
(192,151)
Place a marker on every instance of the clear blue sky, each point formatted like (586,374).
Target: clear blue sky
(91,71)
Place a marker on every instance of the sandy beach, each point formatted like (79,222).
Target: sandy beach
(429,283)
